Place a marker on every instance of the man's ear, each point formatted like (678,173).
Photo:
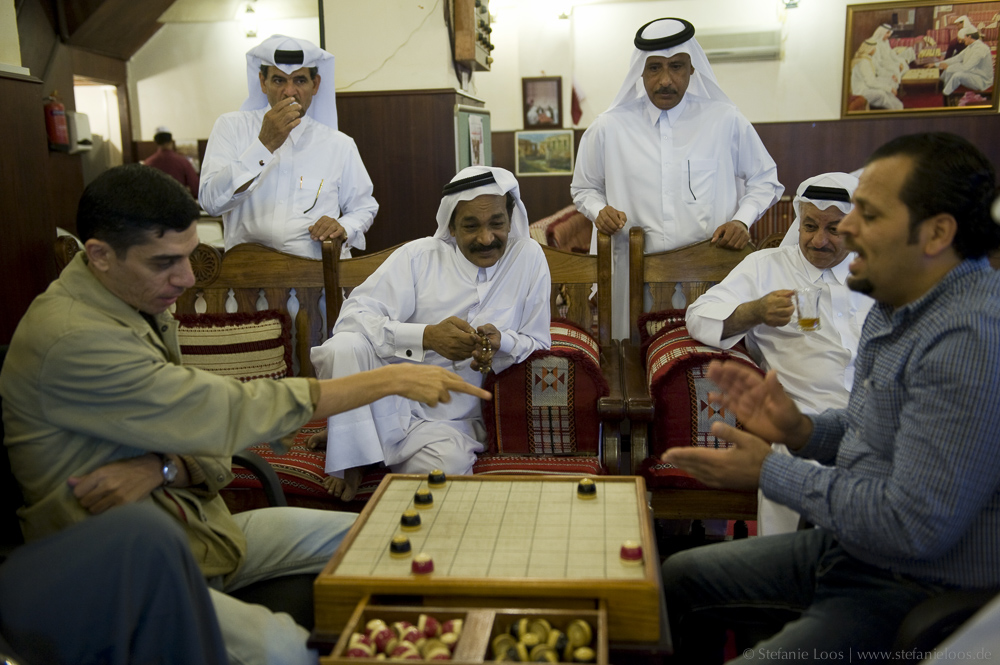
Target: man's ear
(99,254)
(316,80)
(939,233)
(260,75)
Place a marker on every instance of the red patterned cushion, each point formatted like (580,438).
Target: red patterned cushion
(683,415)
(533,465)
(651,323)
(244,346)
(547,404)
(301,469)
(539,230)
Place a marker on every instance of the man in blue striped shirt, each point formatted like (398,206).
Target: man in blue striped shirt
(909,503)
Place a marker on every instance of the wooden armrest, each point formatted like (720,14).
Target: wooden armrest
(638,403)
(613,405)
(265,474)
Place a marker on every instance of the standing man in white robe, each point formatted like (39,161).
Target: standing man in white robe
(755,302)
(278,171)
(671,155)
(480,274)
(973,67)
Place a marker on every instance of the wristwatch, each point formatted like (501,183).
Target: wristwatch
(169,470)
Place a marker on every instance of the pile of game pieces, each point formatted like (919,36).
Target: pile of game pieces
(428,640)
(536,641)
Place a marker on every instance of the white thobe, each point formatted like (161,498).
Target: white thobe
(421,284)
(888,62)
(815,368)
(876,89)
(973,68)
(677,174)
(272,210)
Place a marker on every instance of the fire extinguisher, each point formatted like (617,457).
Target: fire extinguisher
(55,123)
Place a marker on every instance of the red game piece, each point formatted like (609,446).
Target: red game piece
(631,552)
(422,564)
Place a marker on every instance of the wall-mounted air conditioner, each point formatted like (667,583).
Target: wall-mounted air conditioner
(741,44)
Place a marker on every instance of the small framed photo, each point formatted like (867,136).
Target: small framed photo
(542,98)
(544,153)
(920,57)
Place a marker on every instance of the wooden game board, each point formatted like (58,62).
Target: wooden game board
(504,541)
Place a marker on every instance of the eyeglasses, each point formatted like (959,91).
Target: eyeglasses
(315,199)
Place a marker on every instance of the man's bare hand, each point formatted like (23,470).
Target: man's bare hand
(610,220)
(735,468)
(279,121)
(327,228)
(760,403)
(453,338)
(479,356)
(776,308)
(731,235)
(118,483)
(428,384)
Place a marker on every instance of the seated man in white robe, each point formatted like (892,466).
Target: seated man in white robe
(973,67)
(433,301)
(755,301)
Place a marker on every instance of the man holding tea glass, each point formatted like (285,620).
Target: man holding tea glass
(792,306)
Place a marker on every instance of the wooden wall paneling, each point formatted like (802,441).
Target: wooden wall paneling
(407,141)
(804,149)
(25,205)
(117,28)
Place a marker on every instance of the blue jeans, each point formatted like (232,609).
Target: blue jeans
(800,593)
(280,541)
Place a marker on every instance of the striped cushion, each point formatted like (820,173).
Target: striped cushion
(249,346)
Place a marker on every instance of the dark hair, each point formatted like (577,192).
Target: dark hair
(123,205)
(949,175)
(313,71)
(974,35)
(162,138)
(510,210)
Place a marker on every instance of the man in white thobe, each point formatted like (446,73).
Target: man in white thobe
(973,67)
(671,155)
(755,302)
(278,171)
(480,274)
(887,62)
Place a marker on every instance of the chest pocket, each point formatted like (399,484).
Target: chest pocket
(326,202)
(883,404)
(698,178)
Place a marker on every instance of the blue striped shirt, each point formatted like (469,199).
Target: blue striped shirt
(914,485)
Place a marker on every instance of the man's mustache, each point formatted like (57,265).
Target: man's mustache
(477,247)
(665,90)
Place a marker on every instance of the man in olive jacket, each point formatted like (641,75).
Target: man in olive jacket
(99,411)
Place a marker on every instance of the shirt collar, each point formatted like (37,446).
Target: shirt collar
(471,270)
(653,114)
(959,272)
(839,271)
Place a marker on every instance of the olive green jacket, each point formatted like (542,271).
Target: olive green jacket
(87,381)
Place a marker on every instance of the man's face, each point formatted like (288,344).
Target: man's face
(480,229)
(666,79)
(878,229)
(278,85)
(151,276)
(819,238)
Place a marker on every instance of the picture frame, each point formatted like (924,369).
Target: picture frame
(543,152)
(897,57)
(541,98)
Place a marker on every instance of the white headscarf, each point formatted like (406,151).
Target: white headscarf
(488,180)
(966,31)
(965,21)
(324,104)
(703,82)
(835,180)
(881,32)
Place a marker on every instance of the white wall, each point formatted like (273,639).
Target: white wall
(10,46)
(189,74)
(389,45)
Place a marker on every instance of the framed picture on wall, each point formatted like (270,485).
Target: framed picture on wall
(544,152)
(542,98)
(920,57)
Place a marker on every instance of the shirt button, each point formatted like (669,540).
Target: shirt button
(163,329)
(218,478)
(409,353)
(840,315)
